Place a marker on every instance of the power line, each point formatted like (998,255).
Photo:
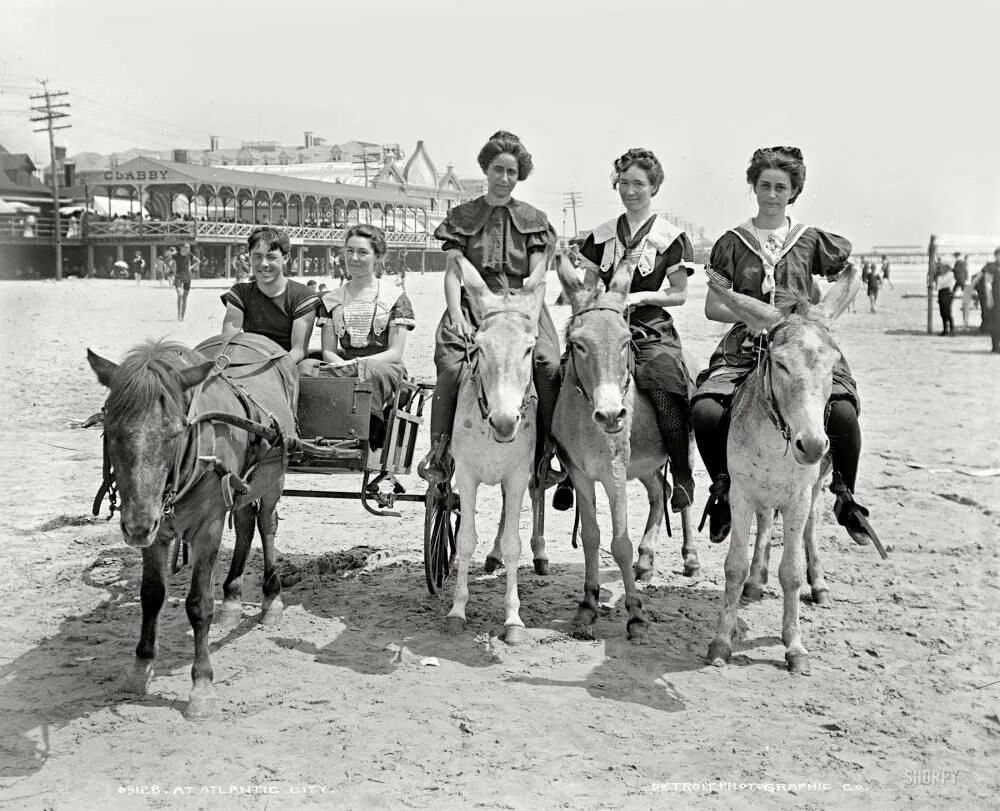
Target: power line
(50,112)
(573,199)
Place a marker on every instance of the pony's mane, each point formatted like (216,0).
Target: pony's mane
(147,373)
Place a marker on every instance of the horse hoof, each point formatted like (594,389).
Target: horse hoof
(720,653)
(230,614)
(692,567)
(454,625)
(492,564)
(201,707)
(270,617)
(642,575)
(541,566)
(752,591)
(514,634)
(822,598)
(798,664)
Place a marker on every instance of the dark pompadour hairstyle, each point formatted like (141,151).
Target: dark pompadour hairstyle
(787,159)
(506,143)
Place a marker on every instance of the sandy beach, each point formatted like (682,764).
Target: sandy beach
(341,704)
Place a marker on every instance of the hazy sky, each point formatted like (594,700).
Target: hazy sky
(895,104)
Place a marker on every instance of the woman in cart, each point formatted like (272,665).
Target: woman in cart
(364,324)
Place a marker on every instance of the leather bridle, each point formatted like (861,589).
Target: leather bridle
(578,381)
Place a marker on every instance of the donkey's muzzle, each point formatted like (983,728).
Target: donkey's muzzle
(612,420)
(809,449)
(504,426)
(140,533)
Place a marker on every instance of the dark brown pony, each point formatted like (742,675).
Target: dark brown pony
(186,442)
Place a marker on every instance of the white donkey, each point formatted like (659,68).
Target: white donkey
(493,441)
(778,451)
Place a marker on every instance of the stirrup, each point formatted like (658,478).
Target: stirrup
(682,495)
(562,499)
(717,509)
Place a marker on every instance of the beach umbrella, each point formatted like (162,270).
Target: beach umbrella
(121,263)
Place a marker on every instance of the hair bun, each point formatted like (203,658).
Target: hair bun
(500,135)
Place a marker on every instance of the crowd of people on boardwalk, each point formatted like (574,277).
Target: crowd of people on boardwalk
(365,320)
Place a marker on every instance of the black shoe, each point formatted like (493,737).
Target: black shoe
(683,494)
(717,510)
(562,499)
(854,518)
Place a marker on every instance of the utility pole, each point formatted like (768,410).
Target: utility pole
(573,199)
(49,112)
(361,163)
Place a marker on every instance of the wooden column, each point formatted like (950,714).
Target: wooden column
(301,260)
(90,260)
(229,260)
(151,273)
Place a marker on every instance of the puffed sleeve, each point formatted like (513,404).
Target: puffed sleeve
(680,254)
(721,266)
(450,237)
(538,241)
(401,314)
(237,295)
(831,255)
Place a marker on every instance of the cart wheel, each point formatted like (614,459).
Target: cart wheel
(441,521)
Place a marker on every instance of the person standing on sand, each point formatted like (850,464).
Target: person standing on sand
(945,283)
(874,285)
(185,263)
(961,273)
(885,271)
(988,290)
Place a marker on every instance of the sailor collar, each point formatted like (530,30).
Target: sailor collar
(660,237)
(746,234)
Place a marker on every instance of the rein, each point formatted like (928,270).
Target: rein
(772,409)
(180,485)
(624,387)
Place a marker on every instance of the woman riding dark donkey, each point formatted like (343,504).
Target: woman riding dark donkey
(504,240)
(660,255)
(767,253)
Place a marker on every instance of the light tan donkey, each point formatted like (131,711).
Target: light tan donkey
(495,425)
(778,451)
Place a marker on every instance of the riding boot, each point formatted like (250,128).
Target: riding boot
(717,510)
(673,421)
(850,514)
(436,467)
(433,467)
(546,376)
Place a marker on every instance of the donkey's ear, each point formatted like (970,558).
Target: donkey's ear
(537,276)
(621,282)
(473,282)
(102,368)
(841,293)
(193,375)
(759,316)
(570,278)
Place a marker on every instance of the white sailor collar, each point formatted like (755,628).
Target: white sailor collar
(661,236)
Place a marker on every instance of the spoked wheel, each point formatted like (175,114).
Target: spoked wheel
(441,521)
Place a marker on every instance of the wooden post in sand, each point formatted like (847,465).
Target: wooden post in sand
(931,256)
